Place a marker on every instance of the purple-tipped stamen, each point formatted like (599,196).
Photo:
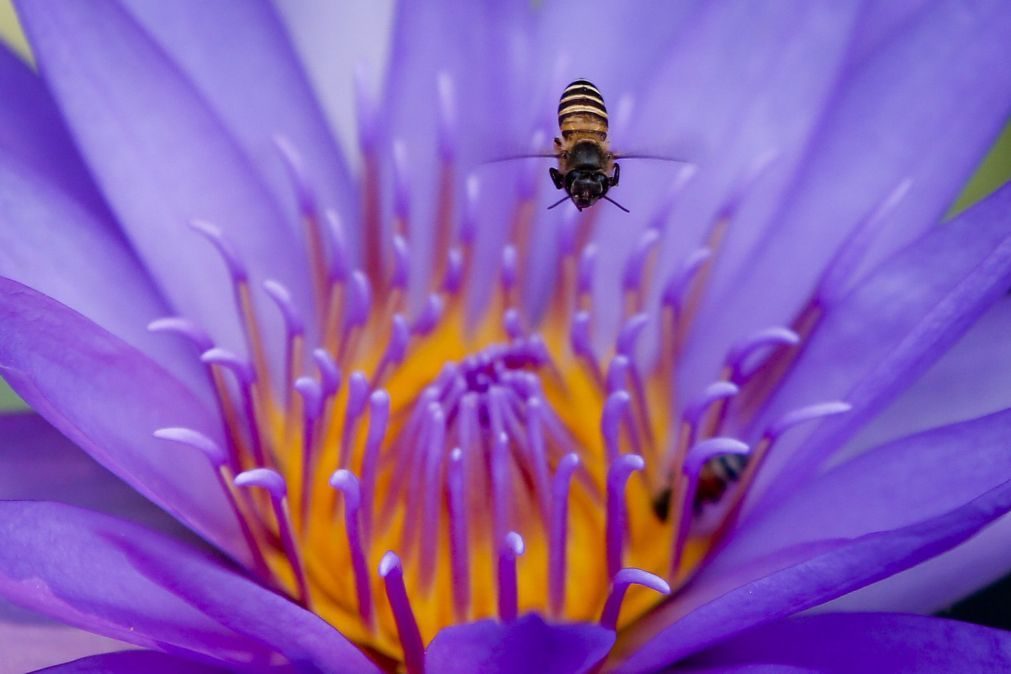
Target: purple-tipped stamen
(508,591)
(293,327)
(717,392)
(185,328)
(358,391)
(219,460)
(619,586)
(740,359)
(392,574)
(697,457)
(272,481)
(430,315)
(617,519)
(615,409)
(458,532)
(379,416)
(246,378)
(558,532)
(432,492)
(312,408)
(345,482)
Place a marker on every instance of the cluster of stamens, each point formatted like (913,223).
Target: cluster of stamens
(405,468)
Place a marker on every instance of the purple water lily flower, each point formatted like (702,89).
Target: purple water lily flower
(411,420)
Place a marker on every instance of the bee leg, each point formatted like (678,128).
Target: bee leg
(556,177)
(617,174)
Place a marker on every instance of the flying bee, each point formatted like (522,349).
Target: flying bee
(587,168)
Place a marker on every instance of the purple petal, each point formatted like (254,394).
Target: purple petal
(29,641)
(885,488)
(129,662)
(163,157)
(33,133)
(525,645)
(146,589)
(54,244)
(762,75)
(888,330)
(331,64)
(239,59)
(817,574)
(108,398)
(868,642)
(37,463)
(868,140)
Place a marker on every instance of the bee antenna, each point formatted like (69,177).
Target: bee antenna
(563,199)
(615,203)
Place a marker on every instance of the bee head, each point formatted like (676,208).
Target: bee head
(586,187)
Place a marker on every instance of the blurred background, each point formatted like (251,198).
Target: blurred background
(991,606)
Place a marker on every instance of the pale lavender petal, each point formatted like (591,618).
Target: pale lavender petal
(784,61)
(132,584)
(109,398)
(524,645)
(163,157)
(818,574)
(32,132)
(238,57)
(56,245)
(37,463)
(130,662)
(885,488)
(870,139)
(331,64)
(866,642)
(29,641)
(967,381)
(875,341)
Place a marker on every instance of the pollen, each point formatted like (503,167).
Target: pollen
(410,464)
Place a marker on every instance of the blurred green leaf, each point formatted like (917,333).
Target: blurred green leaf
(8,399)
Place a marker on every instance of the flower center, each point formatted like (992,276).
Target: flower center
(435,465)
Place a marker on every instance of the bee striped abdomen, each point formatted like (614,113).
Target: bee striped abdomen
(581,110)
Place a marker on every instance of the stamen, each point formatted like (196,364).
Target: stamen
(617,521)
(396,349)
(272,481)
(511,548)
(582,346)
(309,212)
(379,416)
(244,304)
(347,484)
(507,277)
(632,278)
(558,532)
(619,586)
(615,409)
(757,457)
(454,271)
(742,352)
(329,374)
(294,331)
(431,502)
(218,459)
(401,265)
(459,550)
(184,328)
(246,379)
(358,391)
(312,406)
(359,306)
(407,627)
(697,457)
(500,485)
(538,454)
(717,392)
(430,316)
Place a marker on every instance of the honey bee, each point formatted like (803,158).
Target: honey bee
(586,166)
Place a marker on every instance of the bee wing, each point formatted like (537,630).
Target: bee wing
(516,157)
(656,157)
